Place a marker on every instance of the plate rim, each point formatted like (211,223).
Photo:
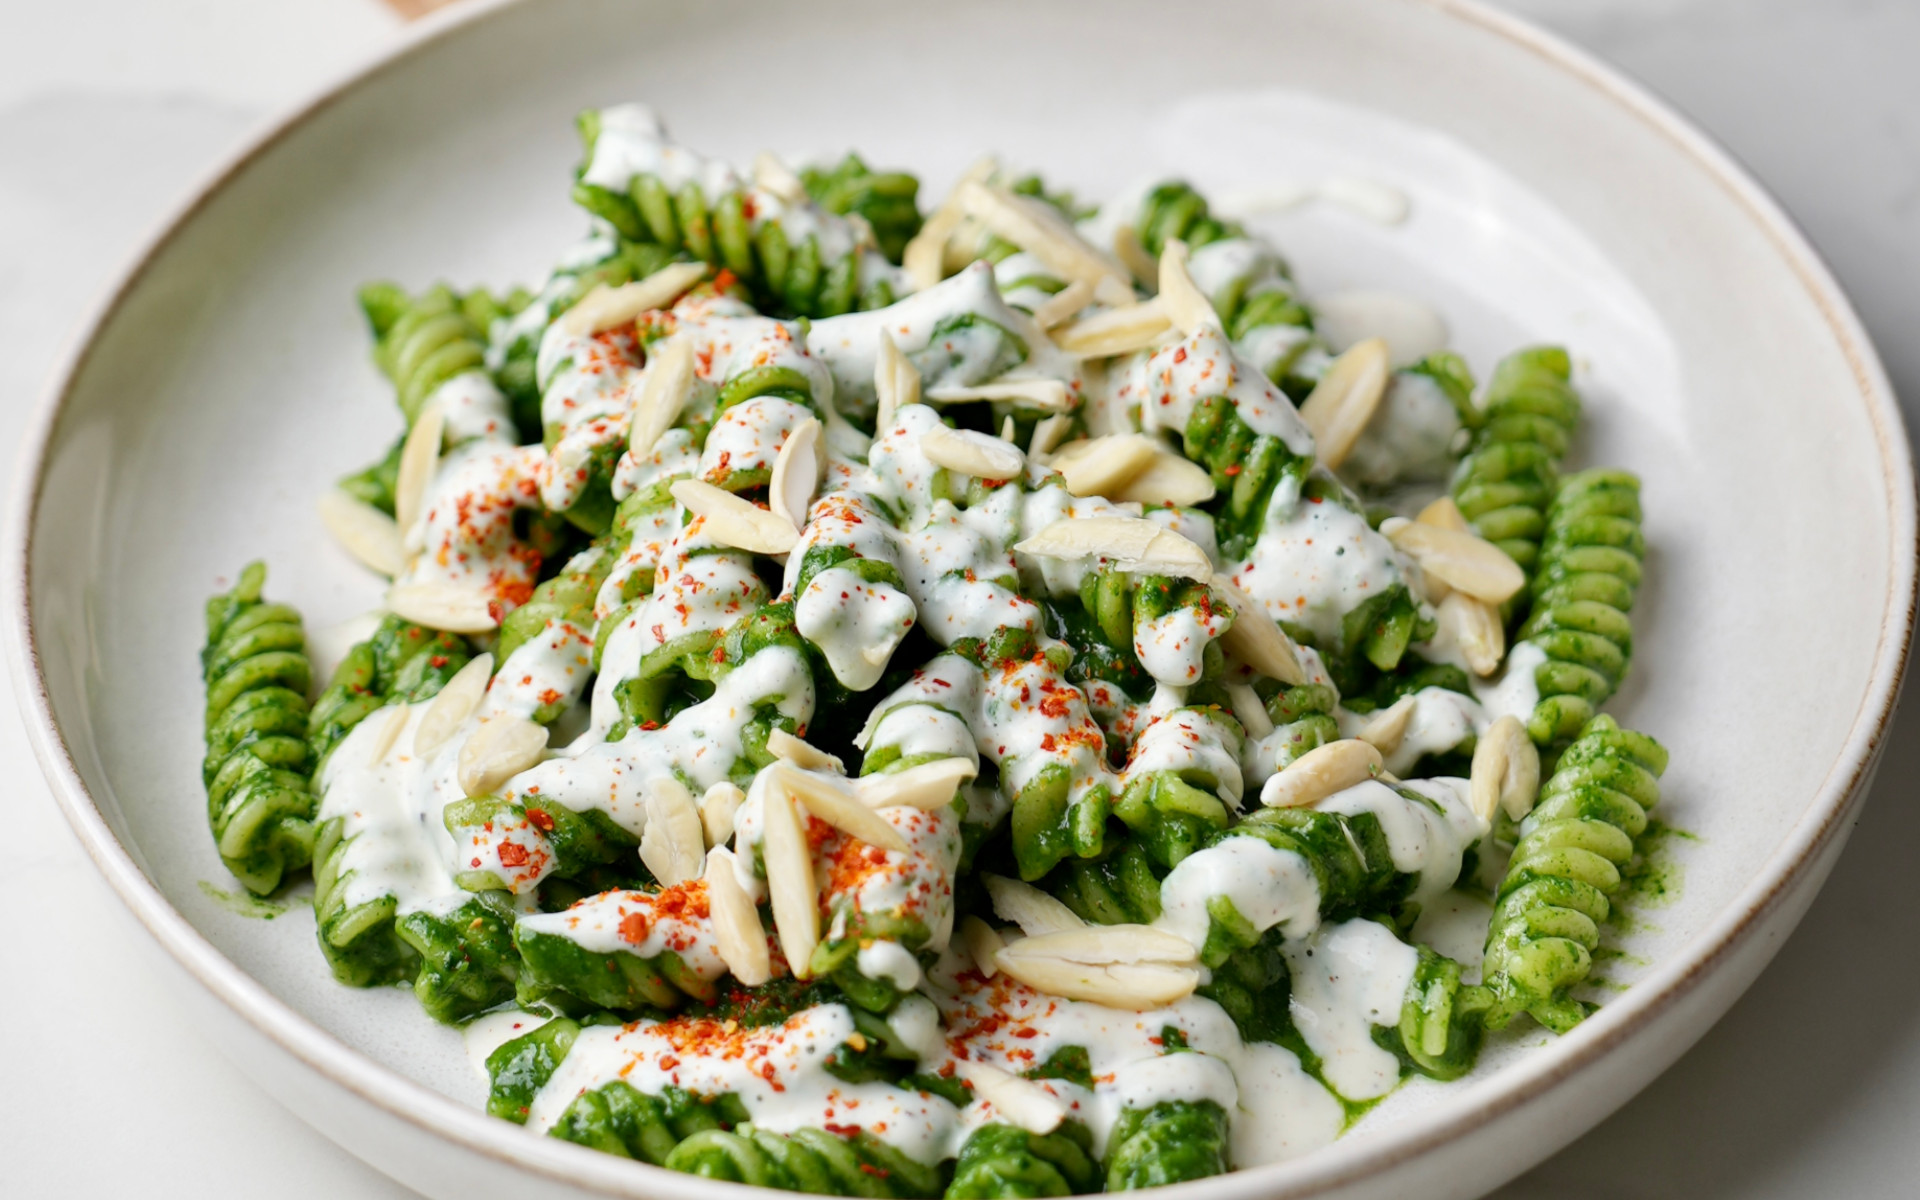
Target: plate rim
(1826,818)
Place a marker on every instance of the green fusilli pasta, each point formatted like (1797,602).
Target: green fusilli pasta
(797,275)
(257,675)
(1589,574)
(886,199)
(1000,1162)
(1171,1142)
(1511,470)
(1581,832)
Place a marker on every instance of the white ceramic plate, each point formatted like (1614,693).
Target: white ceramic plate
(226,382)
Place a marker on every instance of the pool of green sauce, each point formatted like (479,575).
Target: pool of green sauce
(243,904)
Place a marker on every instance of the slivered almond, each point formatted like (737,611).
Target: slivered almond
(1050,395)
(1102,466)
(1130,250)
(972,453)
(927,787)
(1460,560)
(363,531)
(802,754)
(1009,430)
(1474,626)
(663,394)
(1132,544)
(610,307)
(1114,292)
(790,882)
(443,606)
(385,735)
(734,522)
(1019,1102)
(981,943)
(1248,710)
(1064,303)
(1345,399)
(718,807)
(673,844)
(796,474)
(1445,514)
(1185,304)
(896,381)
(1114,332)
(1386,729)
(925,254)
(1506,770)
(738,935)
(772,175)
(1033,910)
(832,801)
(1110,945)
(501,748)
(1135,987)
(459,698)
(1321,772)
(1257,640)
(1046,435)
(1168,479)
(418,458)
(964,246)
(1038,228)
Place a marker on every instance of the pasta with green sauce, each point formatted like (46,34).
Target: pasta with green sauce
(976,702)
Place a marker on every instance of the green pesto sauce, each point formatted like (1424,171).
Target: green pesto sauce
(1652,880)
(245,904)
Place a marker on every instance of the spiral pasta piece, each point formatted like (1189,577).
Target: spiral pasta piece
(1583,593)
(558,615)
(423,341)
(256,770)
(466,960)
(664,952)
(886,199)
(1581,832)
(401,663)
(707,1136)
(619,1119)
(1507,480)
(1171,1142)
(1001,1162)
(1246,280)
(806,1160)
(1247,467)
(796,258)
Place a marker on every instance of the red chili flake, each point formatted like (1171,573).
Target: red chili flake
(876,1172)
(540,819)
(1180,355)
(513,854)
(845,1131)
(1231,469)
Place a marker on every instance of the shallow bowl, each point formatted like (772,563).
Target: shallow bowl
(224,382)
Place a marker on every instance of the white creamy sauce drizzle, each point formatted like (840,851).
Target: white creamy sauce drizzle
(1410,438)
(1347,978)
(1315,561)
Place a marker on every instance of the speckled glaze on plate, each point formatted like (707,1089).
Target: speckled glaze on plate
(225,381)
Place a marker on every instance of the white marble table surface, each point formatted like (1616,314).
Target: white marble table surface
(109,109)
